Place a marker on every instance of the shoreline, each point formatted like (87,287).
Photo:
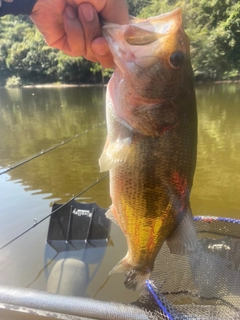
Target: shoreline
(68,85)
(55,85)
(217,81)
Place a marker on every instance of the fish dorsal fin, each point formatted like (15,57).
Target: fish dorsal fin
(114,153)
(184,239)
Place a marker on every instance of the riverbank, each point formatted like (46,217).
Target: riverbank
(72,85)
(63,85)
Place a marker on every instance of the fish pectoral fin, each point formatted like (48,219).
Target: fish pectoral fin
(184,239)
(114,153)
(109,214)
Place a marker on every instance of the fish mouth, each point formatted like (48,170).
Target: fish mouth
(134,41)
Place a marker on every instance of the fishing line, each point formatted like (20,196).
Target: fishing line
(49,215)
(41,271)
(102,286)
(22,162)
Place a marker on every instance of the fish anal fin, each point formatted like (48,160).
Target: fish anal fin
(135,279)
(114,153)
(184,239)
(121,267)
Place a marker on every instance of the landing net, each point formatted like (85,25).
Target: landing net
(201,285)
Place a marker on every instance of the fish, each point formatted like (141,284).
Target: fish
(151,145)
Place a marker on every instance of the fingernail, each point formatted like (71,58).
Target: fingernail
(87,11)
(70,12)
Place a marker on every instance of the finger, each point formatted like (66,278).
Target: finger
(73,42)
(115,11)
(102,52)
(91,27)
(47,16)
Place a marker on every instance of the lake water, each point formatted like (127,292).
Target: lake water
(35,119)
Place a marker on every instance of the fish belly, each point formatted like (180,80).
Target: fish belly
(142,208)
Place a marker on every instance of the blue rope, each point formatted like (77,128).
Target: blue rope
(158,301)
(214,219)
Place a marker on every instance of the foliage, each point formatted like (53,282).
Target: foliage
(13,82)
(105,72)
(27,56)
(213,27)
(77,70)
(32,60)
(135,6)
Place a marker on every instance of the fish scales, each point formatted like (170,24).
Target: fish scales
(151,145)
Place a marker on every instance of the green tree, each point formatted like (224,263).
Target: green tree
(75,70)
(105,73)
(213,27)
(13,30)
(32,60)
(135,6)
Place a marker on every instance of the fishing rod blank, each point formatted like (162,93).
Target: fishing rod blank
(49,215)
(16,165)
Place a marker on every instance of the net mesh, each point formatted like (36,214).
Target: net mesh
(204,285)
(201,285)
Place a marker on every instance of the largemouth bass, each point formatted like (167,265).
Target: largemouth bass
(152,138)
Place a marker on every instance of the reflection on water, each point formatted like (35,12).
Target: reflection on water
(216,185)
(34,119)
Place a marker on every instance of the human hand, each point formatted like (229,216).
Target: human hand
(73,25)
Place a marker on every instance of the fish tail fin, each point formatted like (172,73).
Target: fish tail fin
(135,279)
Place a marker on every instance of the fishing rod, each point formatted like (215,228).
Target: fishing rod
(18,164)
(49,215)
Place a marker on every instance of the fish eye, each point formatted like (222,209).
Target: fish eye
(176,59)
